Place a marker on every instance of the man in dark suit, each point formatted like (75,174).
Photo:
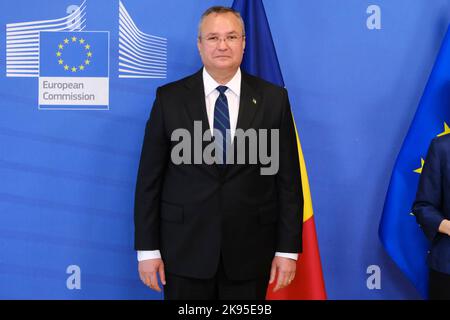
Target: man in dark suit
(432,211)
(218,231)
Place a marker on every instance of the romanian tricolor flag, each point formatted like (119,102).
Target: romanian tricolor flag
(261,60)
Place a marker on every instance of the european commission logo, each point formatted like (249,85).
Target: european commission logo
(74,70)
(72,64)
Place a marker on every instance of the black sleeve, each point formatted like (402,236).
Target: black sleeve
(428,204)
(290,195)
(153,162)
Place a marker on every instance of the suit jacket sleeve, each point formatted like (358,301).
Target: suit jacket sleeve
(153,161)
(289,233)
(427,205)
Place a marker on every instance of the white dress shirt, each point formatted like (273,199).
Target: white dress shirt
(211,94)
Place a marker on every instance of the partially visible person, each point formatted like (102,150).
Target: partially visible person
(432,211)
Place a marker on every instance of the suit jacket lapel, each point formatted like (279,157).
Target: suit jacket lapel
(249,105)
(195,101)
(196,107)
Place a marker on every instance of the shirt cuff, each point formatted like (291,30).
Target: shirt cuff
(293,256)
(148,254)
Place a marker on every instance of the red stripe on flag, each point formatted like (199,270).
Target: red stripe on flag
(308,283)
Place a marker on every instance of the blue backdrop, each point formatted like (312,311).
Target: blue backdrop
(67,176)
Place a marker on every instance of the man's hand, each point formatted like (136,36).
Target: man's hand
(283,269)
(148,270)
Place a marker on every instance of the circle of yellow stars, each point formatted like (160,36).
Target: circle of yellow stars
(67,42)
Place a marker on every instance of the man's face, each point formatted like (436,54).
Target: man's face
(221,44)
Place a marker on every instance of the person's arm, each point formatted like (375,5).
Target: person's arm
(427,205)
(289,185)
(153,162)
(290,197)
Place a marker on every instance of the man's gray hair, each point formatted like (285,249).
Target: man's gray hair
(220,10)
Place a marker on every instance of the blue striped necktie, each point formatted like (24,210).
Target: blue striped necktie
(222,122)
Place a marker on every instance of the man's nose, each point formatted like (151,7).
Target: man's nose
(223,45)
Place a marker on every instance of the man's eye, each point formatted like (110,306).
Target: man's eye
(232,38)
(212,39)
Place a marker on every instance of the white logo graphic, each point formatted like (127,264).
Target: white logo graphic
(72,64)
(140,55)
(22,41)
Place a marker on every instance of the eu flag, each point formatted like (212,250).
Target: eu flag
(73,54)
(399,232)
(74,70)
